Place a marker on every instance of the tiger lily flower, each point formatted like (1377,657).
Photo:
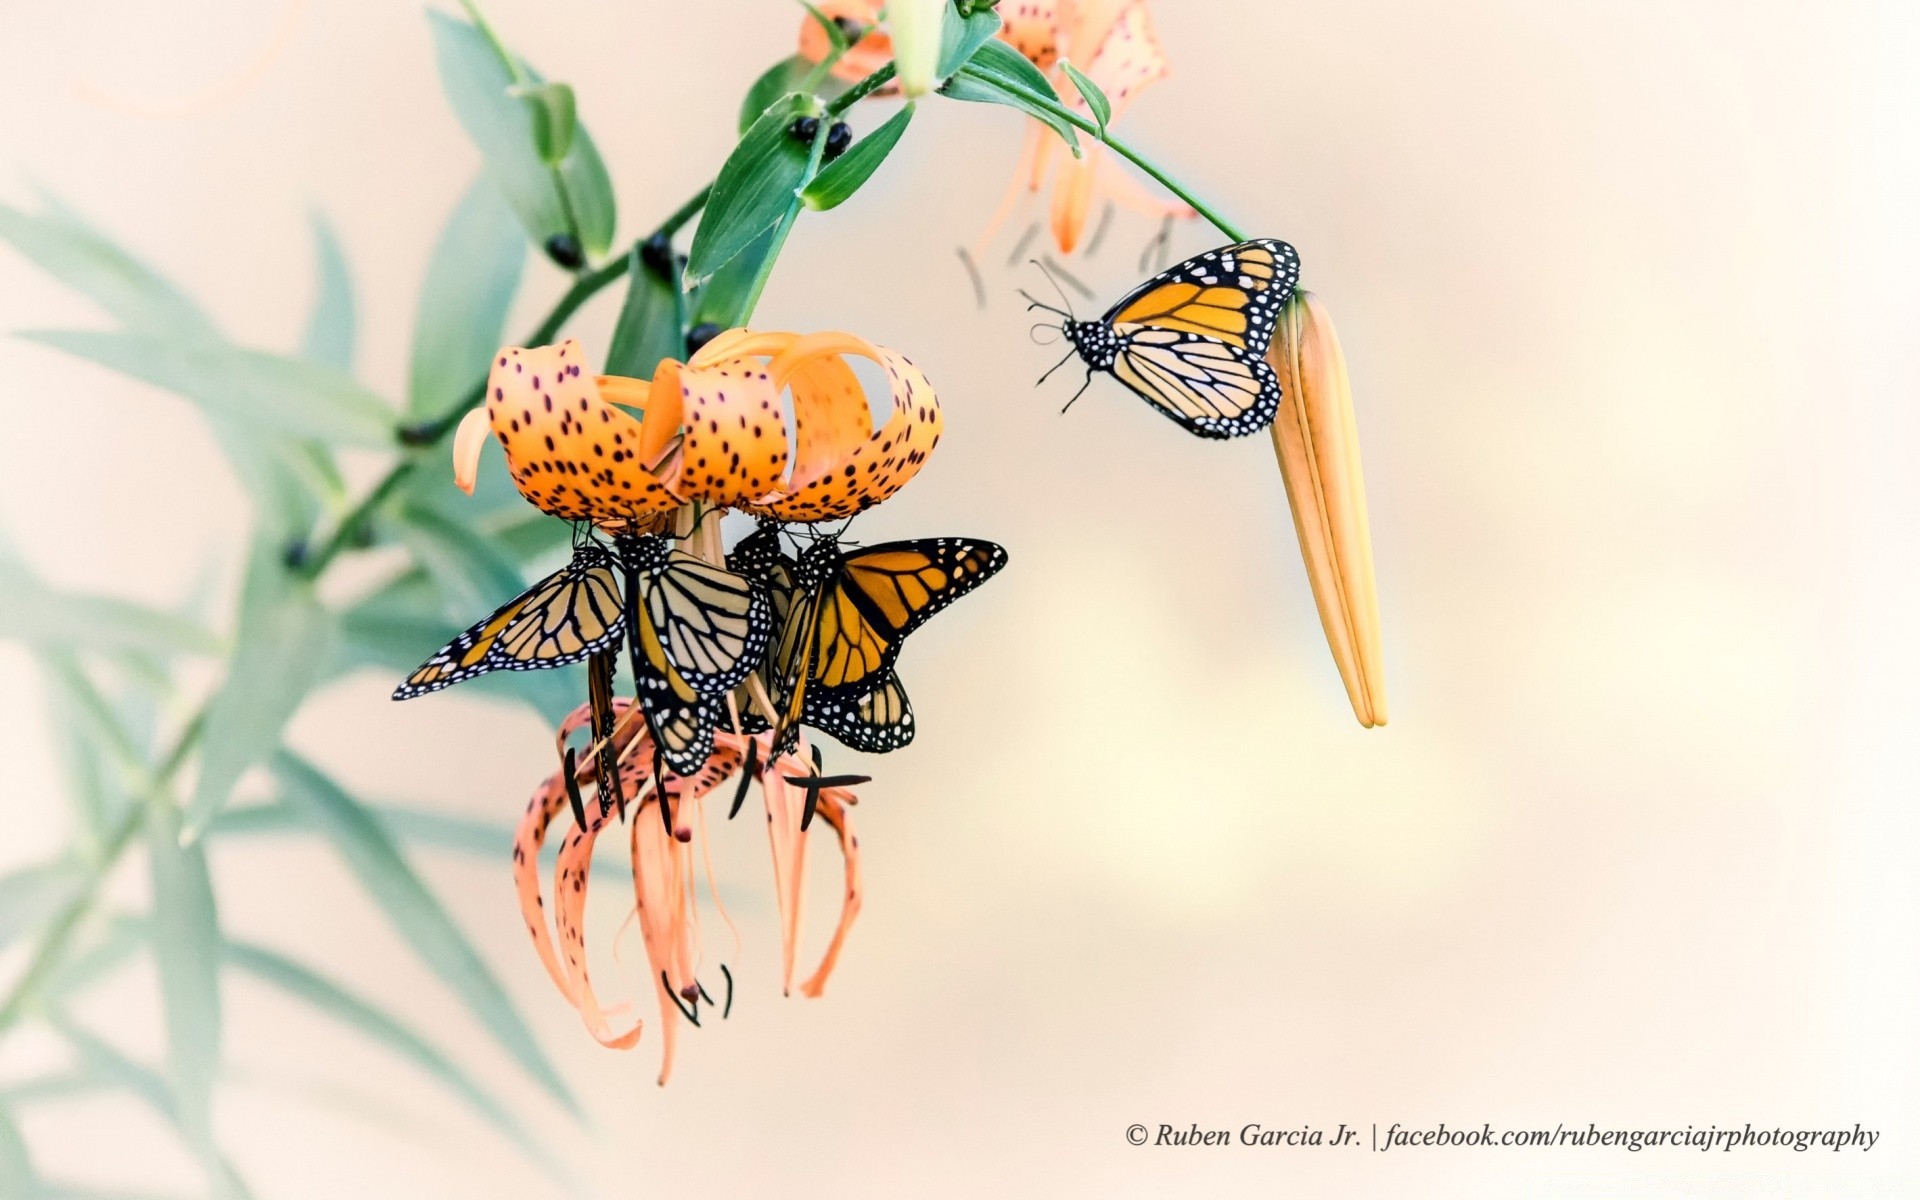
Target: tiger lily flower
(874,49)
(1113,43)
(1318,446)
(665,873)
(713,429)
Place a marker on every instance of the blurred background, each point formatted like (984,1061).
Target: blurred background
(1626,293)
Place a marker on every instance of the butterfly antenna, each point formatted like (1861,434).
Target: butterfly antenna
(973,273)
(1054,367)
(1056,287)
(1083,391)
(1041,304)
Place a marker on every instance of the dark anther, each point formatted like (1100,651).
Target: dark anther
(700,335)
(295,555)
(700,990)
(564,249)
(817,783)
(749,770)
(691,1014)
(838,139)
(727,1008)
(850,29)
(656,254)
(573,793)
(804,129)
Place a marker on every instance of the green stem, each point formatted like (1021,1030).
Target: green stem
(860,91)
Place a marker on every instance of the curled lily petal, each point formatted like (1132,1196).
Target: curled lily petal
(786,806)
(662,889)
(1317,443)
(833,810)
(1033,28)
(468,441)
(573,454)
(569,918)
(734,432)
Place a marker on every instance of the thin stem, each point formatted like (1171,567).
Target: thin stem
(860,91)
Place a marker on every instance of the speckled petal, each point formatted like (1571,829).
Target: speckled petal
(735,447)
(1033,28)
(1129,57)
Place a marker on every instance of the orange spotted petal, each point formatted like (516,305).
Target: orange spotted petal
(572,454)
(1128,56)
(569,917)
(548,799)
(786,806)
(1033,28)
(833,810)
(735,430)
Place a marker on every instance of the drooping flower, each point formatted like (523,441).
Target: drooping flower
(714,429)
(1316,441)
(665,874)
(915,25)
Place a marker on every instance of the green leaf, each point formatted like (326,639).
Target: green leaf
(370,852)
(722,297)
(281,653)
(961,35)
(999,74)
(1097,102)
(753,190)
(105,762)
(477,78)
(63,246)
(186,940)
(330,329)
(17,1176)
(266,393)
(33,613)
(554,119)
(844,176)
(118,941)
(418,827)
(474,577)
(358,1014)
(783,78)
(470,284)
(649,326)
(30,896)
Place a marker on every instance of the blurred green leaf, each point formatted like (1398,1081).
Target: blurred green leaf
(17,1176)
(41,616)
(999,74)
(477,77)
(29,896)
(63,246)
(836,36)
(281,652)
(113,946)
(356,1013)
(961,35)
(474,576)
(554,119)
(754,189)
(186,940)
(371,854)
(85,723)
(722,297)
(470,284)
(1097,102)
(845,175)
(330,329)
(418,827)
(782,78)
(649,326)
(270,393)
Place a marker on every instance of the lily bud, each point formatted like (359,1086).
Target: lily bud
(1317,444)
(915,27)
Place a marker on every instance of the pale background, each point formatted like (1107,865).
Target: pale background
(1627,291)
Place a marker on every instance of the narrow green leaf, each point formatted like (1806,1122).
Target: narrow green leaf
(31,895)
(554,119)
(281,652)
(63,246)
(105,762)
(845,175)
(836,36)
(268,393)
(753,191)
(473,575)
(330,331)
(999,74)
(477,80)
(370,852)
(186,944)
(358,1014)
(961,35)
(417,827)
(17,1176)
(781,79)
(1097,102)
(33,613)
(649,326)
(116,943)
(470,284)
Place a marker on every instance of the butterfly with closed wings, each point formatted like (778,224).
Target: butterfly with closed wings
(1192,341)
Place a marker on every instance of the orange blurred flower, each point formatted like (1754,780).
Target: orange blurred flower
(665,874)
(713,429)
(873,51)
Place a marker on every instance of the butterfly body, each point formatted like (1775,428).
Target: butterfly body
(1192,341)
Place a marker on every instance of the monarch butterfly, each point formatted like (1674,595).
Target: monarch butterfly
(563,619)
(845,623)
(1192,341)
(876,722)
(695,631)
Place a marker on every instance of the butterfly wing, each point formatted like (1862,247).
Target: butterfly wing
(562,619)
(872,599)
(1192,341)
(760,558)
(878,722)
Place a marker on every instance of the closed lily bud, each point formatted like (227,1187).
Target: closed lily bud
(915,27)
(1317,444)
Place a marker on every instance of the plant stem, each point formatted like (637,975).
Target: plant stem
(860,91)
